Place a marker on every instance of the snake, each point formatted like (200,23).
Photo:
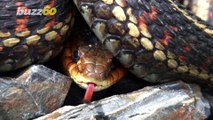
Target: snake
(30,33)
(156,40)
(89,63)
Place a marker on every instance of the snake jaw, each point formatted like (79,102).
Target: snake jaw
(96,87)
(100,84)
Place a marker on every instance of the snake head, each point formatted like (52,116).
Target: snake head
(94,61)
(91,65)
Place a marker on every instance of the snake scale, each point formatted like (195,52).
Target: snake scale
(28,34)
(157,40)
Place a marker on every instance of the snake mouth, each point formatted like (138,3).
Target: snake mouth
(98,86)
(90,87)
(92,84)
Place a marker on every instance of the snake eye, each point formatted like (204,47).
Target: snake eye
(76,55)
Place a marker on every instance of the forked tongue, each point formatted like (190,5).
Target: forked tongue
(89,93)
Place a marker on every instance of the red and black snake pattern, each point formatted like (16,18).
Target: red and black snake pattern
(26,37)
(155,39)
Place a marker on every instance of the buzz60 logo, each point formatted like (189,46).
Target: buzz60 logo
(47,11)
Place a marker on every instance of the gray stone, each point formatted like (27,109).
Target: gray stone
(38,90)
(176,100)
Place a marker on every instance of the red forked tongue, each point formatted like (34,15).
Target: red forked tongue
(89,93)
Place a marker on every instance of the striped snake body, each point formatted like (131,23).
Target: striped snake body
(28,35)
(157,40)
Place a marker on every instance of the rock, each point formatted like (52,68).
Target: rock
(37,91)
(176,100)
(208,94)
(210,99)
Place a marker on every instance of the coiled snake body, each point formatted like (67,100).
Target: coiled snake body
(30,33)
(157,40)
